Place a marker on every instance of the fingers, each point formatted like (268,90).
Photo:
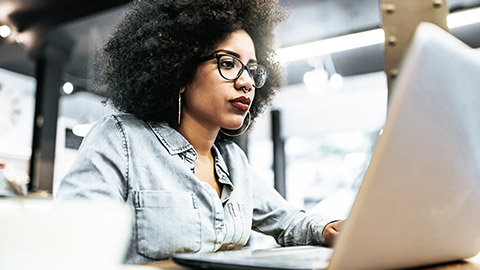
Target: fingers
(337,225)
(330,232)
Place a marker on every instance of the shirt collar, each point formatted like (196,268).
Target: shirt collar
(221,164)
(171,139)
(176,144)
(221,168)
(223,175)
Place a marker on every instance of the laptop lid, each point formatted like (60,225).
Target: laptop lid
(419,202)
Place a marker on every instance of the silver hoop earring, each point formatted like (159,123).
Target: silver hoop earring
(241,130)
(179,108)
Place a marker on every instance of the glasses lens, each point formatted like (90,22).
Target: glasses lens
(259,74)
(231,68)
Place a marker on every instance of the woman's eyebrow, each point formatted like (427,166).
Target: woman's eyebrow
(251,61)
(228,52)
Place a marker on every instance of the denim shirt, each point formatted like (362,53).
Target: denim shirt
(151,167)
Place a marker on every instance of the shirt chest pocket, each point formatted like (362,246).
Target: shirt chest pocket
(166,223)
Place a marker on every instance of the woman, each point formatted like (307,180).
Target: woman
(185,76)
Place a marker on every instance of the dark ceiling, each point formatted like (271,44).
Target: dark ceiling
(63,22)
(82,25)
(53,12)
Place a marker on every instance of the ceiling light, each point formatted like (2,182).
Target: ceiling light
(68,88)
(463,18)
(361,39)
(316,81)
(331,45)
(336,81)
(5,31)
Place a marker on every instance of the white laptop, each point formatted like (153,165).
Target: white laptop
(419,202)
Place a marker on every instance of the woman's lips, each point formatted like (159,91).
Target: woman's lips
(242,103)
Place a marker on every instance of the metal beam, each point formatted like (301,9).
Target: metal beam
(400,18)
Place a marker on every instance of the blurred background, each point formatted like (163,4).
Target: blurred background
(313,144)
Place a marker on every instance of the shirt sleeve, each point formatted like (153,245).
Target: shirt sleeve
(100,170)
(289,225)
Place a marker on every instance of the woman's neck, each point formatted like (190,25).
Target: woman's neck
(200,137)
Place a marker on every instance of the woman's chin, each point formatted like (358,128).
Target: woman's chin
(233,126)
(234,122)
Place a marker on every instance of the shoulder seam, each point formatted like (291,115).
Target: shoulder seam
(121,129)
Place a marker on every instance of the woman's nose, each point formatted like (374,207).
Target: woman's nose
(244,81)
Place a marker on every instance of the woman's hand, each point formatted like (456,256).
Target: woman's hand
(330,232)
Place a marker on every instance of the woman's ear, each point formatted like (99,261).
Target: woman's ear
(182,90)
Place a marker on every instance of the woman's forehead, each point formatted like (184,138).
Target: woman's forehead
(240,43)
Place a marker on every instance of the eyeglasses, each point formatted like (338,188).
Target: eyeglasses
(231,68)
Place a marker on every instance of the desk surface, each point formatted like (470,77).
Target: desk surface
(470,264)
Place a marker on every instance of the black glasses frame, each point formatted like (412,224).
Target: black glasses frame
(248,68)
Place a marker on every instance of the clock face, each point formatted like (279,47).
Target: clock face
(10,109)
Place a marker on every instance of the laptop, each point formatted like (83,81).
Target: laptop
(419,202)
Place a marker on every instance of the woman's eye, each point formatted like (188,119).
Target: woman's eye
(227,63)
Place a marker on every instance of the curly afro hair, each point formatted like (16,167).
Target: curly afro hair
(153,52)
